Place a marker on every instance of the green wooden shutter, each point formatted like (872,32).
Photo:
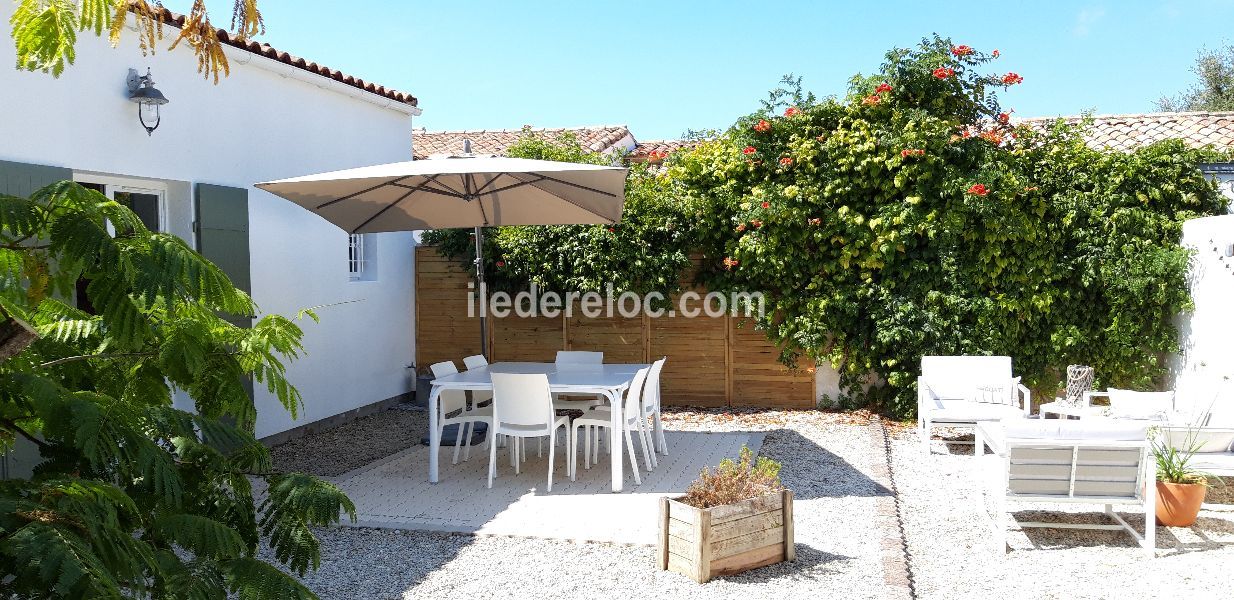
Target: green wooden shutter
(223,232)
(21,179)
(223,238)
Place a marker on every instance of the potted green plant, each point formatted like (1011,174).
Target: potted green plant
(736,518)
(1180,487)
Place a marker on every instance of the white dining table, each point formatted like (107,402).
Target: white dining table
(607,380)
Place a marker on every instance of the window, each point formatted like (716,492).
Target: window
(358,267)
(146,198)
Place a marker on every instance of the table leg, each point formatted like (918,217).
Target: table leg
(434,434)
(616,435)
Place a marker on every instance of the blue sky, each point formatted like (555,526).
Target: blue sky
(665,67)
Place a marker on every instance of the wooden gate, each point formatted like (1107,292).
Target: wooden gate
(712,361)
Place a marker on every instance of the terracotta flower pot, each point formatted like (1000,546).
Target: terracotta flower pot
(1178,504)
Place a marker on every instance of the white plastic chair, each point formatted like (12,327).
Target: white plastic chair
(478,397)
(577,359)
(523,408)
(601,418)
(651,408)
(450,401)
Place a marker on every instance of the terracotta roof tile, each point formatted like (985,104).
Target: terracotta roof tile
(1128,132)
(1108,132)
(603,138)
(642,152)
(177,20)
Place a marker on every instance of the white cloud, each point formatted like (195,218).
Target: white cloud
(1085,20)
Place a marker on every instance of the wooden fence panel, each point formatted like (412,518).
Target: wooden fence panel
(443,330)
(621,339)
(526,339)
(711,361)
(696,370)
(756,376)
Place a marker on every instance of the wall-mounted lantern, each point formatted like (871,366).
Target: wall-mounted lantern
(147,97)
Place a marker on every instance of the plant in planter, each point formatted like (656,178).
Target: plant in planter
(1180,487)
(734,519)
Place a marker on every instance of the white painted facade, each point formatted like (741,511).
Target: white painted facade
(1205,369)
(266,121)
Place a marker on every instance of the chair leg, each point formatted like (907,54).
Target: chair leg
(471,432)
(492,463)
(571,453)
(458,440)
(519,451)
(552,453)
(659,425)
(633,461)
(1150,518)
(641,425)
(588,442)
(649,434)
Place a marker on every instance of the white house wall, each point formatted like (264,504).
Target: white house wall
(1205,370)
(255,125)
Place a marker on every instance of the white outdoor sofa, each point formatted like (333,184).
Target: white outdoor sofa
(1214,448)
(962,391)
(1101,462)
(1199,417)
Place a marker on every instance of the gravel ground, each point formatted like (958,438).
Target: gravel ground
(827,460)
(953,557)
(352,445)
(846,547)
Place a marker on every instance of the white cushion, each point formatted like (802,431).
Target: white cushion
(1205,440)
(1086,429)
(1218,463)
(958,376)
(963,411)
(1128,404)
(1002,392)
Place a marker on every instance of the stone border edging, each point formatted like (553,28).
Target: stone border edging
(897,567)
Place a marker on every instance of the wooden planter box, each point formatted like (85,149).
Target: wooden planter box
(702,543)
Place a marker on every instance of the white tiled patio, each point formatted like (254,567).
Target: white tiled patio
(394,492)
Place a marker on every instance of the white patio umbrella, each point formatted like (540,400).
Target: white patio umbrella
(460,191)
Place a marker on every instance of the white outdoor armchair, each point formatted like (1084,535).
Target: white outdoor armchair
(1070,462)
(961,391)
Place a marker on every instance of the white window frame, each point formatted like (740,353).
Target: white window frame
(112,184)
(357,260)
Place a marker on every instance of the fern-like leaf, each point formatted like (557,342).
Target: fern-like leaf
(45,32)
(294,502)
(200,535)
(251,579)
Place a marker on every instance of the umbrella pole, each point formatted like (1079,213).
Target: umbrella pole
(483,291)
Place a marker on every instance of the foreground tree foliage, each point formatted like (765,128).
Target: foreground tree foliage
(45,32)
(910,218)
(133,497)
